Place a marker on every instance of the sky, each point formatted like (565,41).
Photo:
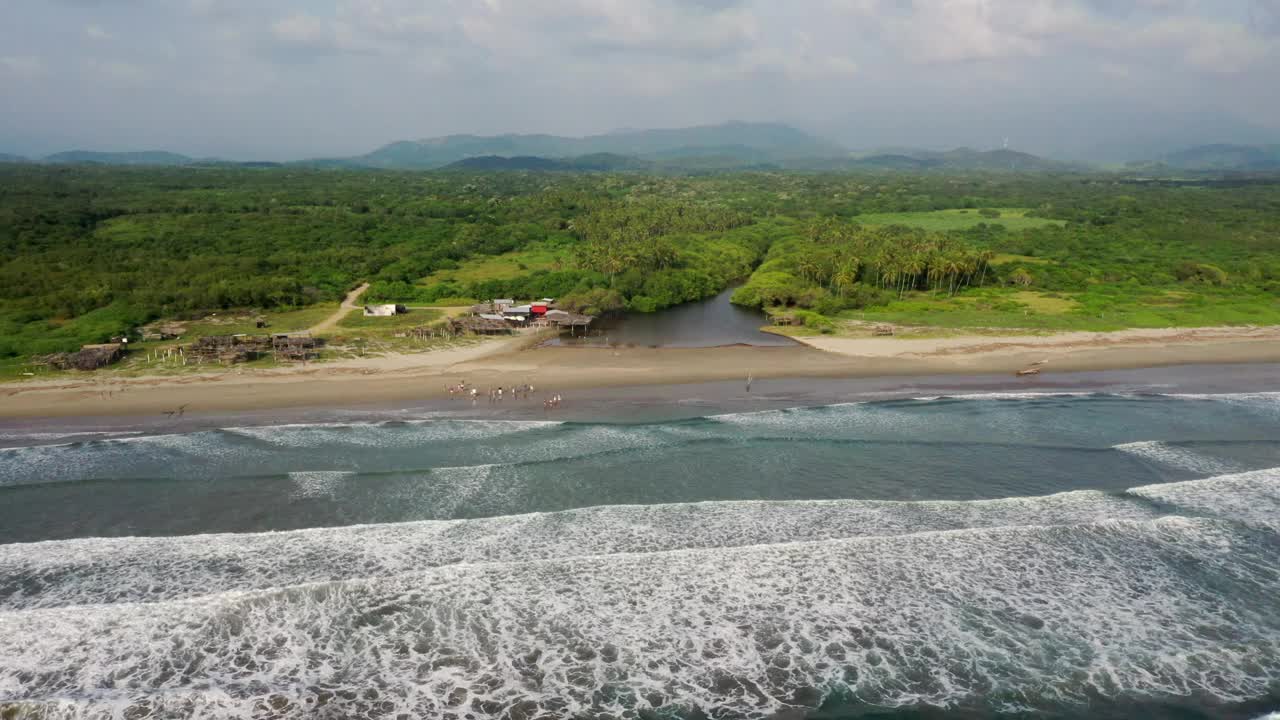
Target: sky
(287,79)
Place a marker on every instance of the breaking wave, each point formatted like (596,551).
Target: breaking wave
(785,588)
(1175,456)
(126,570)
(1045,616)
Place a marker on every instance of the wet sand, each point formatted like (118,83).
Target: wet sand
(424,376)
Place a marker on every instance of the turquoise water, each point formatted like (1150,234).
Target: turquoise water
(1075,554)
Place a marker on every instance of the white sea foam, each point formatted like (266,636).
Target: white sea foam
(225,452)
(1011,395)
(23,435)
(1249,496)
(1046,615)
(110,570)
(1256,397)
(374,434)
(1176,456)
(829,421)
(318,483)
(76,460)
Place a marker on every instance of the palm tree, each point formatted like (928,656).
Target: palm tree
(808,269)
(913,266)
(953,265)
(984,259)
(847,275)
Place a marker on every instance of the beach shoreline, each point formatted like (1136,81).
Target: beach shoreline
(506,362)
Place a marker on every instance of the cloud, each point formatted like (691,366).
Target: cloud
(118,73)
(1203,37)
(1211,46)
(23,67)
(307,32)
(355,73)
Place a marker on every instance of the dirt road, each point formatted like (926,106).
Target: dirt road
(348,304)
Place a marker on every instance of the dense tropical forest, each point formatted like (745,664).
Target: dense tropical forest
(92,251)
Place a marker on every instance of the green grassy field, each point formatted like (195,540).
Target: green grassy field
(356,321)
(1098,309)
(232,322)
(941,220)
(505,266)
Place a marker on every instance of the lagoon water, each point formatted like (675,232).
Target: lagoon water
(1055,554)
(713,322)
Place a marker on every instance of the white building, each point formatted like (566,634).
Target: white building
(383,310)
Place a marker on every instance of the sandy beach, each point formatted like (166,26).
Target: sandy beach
(514,361)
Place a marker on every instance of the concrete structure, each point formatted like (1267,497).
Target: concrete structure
(383,310)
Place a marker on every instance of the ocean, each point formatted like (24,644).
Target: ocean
(1041,553)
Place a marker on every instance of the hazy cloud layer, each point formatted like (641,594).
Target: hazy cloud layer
(249,78)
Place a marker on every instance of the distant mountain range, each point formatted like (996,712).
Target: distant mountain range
(730,146)
(595,162)
(151,158)
(1222,156)
(712,147)
(958,159)
(750,143)
(145,157)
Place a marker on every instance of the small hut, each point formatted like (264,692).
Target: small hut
(289,348)
(228,349)
(89,357)
(565,320)
(480,325)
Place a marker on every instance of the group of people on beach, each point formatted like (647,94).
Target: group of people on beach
(498,394)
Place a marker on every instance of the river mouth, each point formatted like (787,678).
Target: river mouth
(714,322)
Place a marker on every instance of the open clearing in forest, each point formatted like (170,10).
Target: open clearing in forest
(941,220)
(504,266)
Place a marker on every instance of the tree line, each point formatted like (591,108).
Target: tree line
(87,251)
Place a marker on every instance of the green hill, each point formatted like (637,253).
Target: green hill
(9,158)
(1223,156)
(145,157)
(597,162)
(744,143)
(912,159)
(497,162)
(1004,159)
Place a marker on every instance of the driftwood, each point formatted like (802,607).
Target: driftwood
(1028,371)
